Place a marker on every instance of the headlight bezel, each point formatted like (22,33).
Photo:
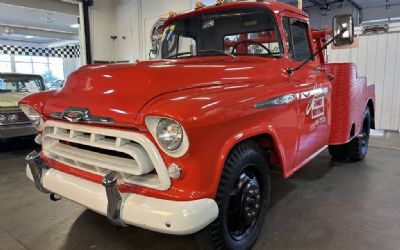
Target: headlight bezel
(33,116)
(152,123)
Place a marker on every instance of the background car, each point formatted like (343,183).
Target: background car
(13,87)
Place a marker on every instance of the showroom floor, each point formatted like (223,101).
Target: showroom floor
(326,205)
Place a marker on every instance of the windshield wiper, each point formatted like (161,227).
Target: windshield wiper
(217,52)
(207,51)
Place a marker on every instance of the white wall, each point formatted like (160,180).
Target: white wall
(132,19)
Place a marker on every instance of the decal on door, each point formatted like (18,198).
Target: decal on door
(316,107)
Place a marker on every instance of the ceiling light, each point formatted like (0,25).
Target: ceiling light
(29,37)
(75,25)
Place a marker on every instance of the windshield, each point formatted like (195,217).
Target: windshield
(237,32)
(13,84)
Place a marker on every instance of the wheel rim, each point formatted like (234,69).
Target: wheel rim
(244,204)
(365,135)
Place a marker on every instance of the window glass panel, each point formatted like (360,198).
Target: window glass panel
(57,67)
(57,71)
(40,68)
(5,67)
(5,58)
(300,40)
(221,31)
(286,29)
(23,58)
(260,43)
(55,60)
(187,45)
(20,84)
(25,68)
(39,59)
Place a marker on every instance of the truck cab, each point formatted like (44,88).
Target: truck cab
(183,144)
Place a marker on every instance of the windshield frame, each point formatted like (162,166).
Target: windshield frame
(176,19)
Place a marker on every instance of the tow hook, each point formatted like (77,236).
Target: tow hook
(36,165)
(55,197)
(114,199)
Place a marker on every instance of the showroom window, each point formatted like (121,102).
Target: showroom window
(5,63)
(51,68)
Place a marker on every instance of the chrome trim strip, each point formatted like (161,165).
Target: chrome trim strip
(286,99)
(277,101)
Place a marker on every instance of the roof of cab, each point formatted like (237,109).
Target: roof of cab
(274,6)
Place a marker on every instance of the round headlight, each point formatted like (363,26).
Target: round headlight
(32,115)
(169,134)
(3,118)
(13,118)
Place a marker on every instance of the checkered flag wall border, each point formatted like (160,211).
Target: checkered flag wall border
(64,52)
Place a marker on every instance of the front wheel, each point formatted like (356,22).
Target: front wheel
(242,198)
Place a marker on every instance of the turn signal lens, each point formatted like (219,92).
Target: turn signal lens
(174,171)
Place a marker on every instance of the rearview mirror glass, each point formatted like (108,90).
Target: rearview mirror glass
(343,24)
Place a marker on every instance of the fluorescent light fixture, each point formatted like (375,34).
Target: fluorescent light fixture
(29,37)
(75,25)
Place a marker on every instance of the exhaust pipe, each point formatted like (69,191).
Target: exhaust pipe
(36,165)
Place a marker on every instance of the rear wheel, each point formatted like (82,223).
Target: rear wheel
(242,198)
(338,152)
(357,148)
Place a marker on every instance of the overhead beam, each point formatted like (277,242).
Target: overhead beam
(319,4)
(49,5)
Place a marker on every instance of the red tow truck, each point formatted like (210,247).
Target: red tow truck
(183,144)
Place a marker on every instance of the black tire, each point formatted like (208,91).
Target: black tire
(338,152)
(357,148)
(242,197)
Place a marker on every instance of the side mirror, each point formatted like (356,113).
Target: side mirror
(154,51)
(343,28)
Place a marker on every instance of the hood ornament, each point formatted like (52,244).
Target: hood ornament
(80,115)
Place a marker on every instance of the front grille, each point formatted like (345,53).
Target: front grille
(100,151)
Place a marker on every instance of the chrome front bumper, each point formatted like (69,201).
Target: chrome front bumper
(165,216)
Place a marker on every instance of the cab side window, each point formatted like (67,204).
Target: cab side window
(297,40)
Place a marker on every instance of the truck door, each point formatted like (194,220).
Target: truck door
(312,88)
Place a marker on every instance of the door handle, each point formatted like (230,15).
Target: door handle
(318,69)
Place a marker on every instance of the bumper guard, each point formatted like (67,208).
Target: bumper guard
(37,166)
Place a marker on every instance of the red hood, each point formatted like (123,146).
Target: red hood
(120,91)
